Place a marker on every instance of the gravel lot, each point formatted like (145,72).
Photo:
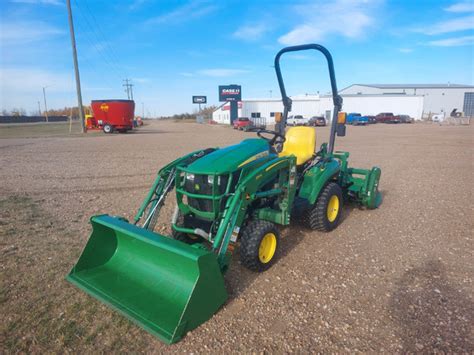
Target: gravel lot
(396,279)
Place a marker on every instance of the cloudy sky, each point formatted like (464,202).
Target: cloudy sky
(172,50)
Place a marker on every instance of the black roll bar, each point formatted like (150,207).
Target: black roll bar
(337,100)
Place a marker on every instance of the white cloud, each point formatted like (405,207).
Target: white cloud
(220,72)
(448,26)
(347,18)
(405,50)
(453,42)
(464,6)
(251,32)
(186,74)
(141,80)
(32,80)
(23,87)
(136,4)
(23,32)
(191,10)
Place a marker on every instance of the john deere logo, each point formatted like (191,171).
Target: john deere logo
(104,107)
(196,187)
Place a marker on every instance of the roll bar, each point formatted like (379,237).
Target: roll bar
(337,100)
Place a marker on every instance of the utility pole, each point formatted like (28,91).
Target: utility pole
(39,109)
(76,67)
(45,106)
(128,88)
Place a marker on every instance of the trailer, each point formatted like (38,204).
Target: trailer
(111,115)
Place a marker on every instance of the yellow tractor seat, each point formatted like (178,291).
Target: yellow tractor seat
(301,142)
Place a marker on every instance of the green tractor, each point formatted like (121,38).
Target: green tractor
(226,197)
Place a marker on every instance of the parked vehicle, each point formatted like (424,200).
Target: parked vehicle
(297,120)
(317,121)
(371,119)
(111,115)
(351,116)
(360,121)
(406,119)
(256,124)
(226,198)
(438,117)
(387,117)
(242,122)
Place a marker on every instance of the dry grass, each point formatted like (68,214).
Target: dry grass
(397,279)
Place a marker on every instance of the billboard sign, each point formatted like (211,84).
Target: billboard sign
(199,99)
(230,93)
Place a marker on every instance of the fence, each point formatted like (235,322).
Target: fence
(32,119)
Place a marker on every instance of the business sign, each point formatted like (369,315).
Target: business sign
(199,99)
(226,107)
(230,93)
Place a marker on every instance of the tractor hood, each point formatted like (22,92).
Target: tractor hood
(231,158)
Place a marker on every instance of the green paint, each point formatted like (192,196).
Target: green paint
(163,285)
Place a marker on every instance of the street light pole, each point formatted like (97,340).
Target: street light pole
(39,109)
(76,67)
(45,106)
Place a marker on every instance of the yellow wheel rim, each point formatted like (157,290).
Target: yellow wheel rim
(333,208)
(267,248)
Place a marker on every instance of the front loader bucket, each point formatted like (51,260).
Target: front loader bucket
(164,285)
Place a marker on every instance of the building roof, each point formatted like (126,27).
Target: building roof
(413,86)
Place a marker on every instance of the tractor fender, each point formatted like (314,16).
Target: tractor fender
(316,178)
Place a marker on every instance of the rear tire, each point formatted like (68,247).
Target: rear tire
(108,128)
(259,245)
(325,214)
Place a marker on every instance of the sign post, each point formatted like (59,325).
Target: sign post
(232,94)
(199,100)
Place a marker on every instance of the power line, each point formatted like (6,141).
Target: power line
(104,54)
(106,42)
(88,62)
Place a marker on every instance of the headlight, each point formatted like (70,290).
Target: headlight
(210,179)
(190,177)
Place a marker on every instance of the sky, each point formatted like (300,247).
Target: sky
(172,50)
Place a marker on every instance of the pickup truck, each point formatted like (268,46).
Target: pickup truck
(351,117)
(297,120)
(360,121)
(406,119)
(241,123)
(387,117)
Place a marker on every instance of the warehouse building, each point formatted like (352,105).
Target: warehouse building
(437,98)
(417,101)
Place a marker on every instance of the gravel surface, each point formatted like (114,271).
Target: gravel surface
(395,279)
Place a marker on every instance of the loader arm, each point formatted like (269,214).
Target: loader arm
(157,194)
(236,209)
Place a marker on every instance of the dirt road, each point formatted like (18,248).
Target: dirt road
(396,279)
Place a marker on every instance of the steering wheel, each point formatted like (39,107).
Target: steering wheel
(272,140)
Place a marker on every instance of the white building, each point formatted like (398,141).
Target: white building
(418,101)
(315,105)
(437,98)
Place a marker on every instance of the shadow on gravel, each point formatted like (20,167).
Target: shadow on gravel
(432,315)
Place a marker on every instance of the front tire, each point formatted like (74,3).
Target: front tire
(259,245)
(325,214)
(108,128)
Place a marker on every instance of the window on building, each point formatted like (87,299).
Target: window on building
(272,114)
(468,107)
(255,114)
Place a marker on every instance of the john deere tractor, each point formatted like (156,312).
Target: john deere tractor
(227,198)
